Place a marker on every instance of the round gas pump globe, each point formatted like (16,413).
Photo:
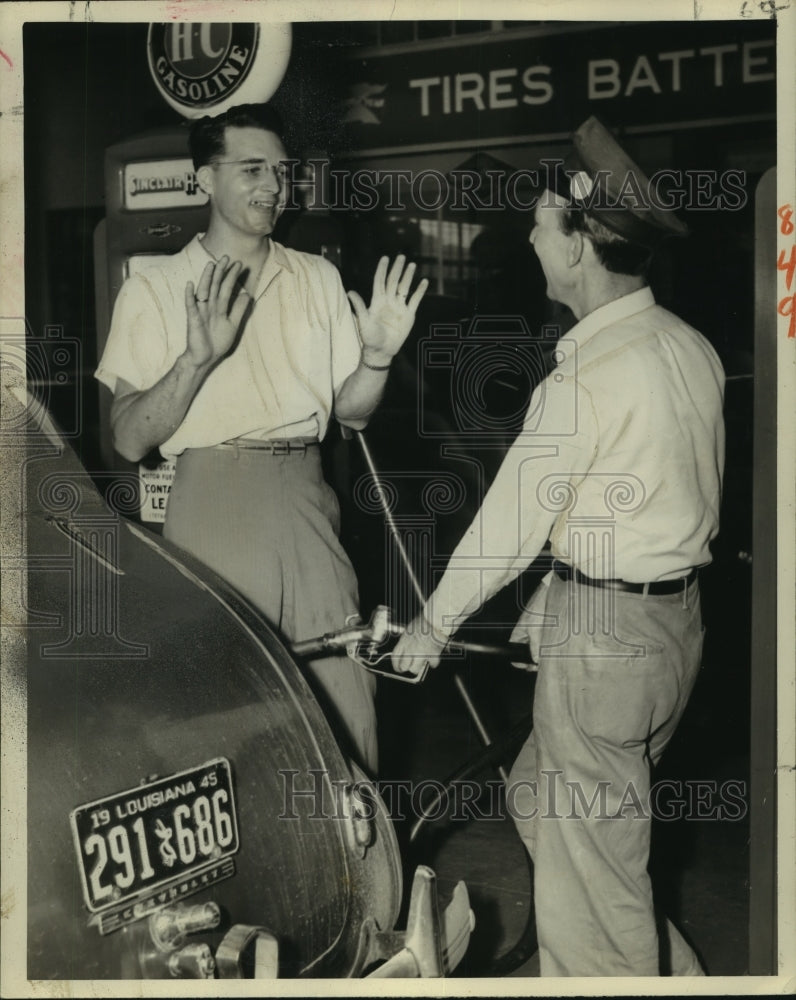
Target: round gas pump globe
(204,68)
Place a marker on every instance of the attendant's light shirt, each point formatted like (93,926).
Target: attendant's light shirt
(297,348)
(619,462)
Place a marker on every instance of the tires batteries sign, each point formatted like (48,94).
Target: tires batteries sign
(538,84)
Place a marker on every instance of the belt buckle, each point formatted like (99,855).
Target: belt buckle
(280,447)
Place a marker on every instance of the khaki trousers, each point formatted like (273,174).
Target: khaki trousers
(615,674)
(269,525)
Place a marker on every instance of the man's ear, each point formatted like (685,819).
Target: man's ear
(205,177)
(575,248)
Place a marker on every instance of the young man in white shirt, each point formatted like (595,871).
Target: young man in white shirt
(233,356)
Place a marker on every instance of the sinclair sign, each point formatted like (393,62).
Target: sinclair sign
(206,67)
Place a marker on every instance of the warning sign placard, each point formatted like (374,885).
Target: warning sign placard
(155,486)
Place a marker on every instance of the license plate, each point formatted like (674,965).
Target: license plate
(132,843)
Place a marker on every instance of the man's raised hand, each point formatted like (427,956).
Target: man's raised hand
(385,324)
(215,310)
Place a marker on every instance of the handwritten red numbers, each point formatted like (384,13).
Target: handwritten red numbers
(787,306)
(788,266)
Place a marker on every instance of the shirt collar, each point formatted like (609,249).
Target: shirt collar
(612,312)
(277,260)
(199,256)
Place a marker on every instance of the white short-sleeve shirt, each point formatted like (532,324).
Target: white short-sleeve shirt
(298,346)
(619,463)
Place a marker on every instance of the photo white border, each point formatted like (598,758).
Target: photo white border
(12,776)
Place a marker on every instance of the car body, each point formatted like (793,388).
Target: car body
(189,812)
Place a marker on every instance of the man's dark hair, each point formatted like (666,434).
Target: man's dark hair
(206,138)
(614,252)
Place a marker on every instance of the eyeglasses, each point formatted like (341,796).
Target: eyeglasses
(255,167)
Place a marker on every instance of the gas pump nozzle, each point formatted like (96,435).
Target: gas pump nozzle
(375,632)
(369,645)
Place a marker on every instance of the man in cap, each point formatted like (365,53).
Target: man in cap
(233,355)
(619,466)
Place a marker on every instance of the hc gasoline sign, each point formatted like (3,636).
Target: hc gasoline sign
(205,67)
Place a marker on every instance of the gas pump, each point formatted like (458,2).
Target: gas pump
(154,207)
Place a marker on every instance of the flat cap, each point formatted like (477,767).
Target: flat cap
(599,177)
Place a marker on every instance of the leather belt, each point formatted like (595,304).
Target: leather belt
(658,588)
(271,446)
